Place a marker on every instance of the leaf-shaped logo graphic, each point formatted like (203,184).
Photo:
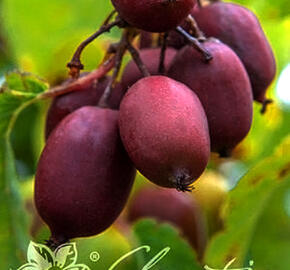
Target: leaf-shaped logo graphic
(28,266)
(78,267)
(66,255)
(40,255)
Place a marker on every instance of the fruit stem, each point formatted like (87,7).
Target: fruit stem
(122,47)
(225,153)
(265,104)
(137,59)
(86,80)
(196,44)
(164,39)
(75,64)
(194,27)
(54,242)
(110,16)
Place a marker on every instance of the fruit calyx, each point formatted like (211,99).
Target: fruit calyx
(182,180)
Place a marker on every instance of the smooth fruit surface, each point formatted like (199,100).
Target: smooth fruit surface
(223,88)
(239,28)
(87,95)
(150,58)
(154,15)
(164,130)
(84,175)
(168,205)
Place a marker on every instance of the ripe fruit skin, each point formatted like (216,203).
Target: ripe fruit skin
(240,29)
(154,15)
(174,207)
(88,95)
(84,175)
(150,58)
(223,88)
(164,130)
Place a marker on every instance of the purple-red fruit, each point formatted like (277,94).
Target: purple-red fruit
(223,88)
(177,208)
(84,175)
(151,59)
(239,28)
(154,15)
(87,95)
(164,130)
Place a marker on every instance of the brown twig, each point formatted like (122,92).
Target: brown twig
(81,82)
(75,64)
(194,27)
(137,59)
(265,104)
(103,102)
(110,16)
(161,68)
(194,41)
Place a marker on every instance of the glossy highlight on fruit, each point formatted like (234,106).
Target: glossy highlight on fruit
(154,15)
(240,29)
(87,95)
(84,175)
(164,130)
(179,209)
(150,58)
(223,88)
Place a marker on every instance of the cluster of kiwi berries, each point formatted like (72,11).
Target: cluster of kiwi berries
(198,99)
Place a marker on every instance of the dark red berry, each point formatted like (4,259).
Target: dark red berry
(239,28)
(87,95)
(154,15)
(167,205)
(164,130)
(223,88)
(84,175)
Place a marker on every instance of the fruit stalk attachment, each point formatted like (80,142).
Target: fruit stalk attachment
(103,103)
(81,82)
(195,43)
(75,64)
(137,59)
(164,39)
(194,28)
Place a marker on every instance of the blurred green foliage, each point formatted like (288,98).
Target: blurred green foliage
(40,37)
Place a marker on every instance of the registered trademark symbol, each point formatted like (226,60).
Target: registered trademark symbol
(94,256)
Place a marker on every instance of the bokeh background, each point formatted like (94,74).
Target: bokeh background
(39,37)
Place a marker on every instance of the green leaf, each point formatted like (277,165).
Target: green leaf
(18,92)
(272,233)
(159,237)
(245,207)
